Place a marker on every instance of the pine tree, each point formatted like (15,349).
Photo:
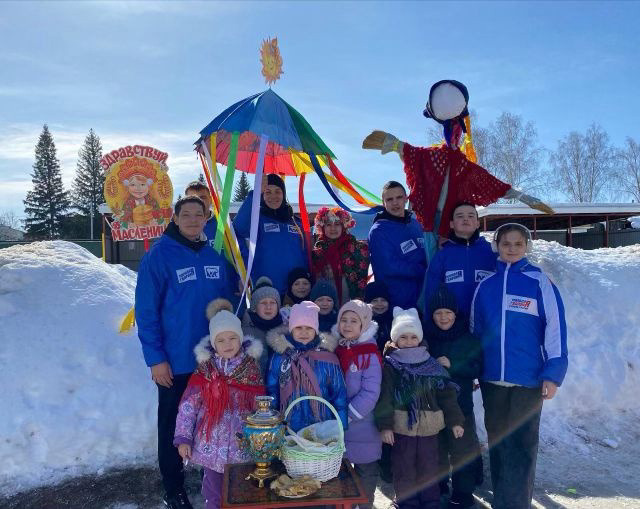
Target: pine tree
(88,185)
(242,188)
(201,179)
(46,206)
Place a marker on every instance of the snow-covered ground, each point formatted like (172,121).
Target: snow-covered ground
(77,396)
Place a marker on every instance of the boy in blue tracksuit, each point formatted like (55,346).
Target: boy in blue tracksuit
(464,260)
(518,315)
(280,245)
(177,278)
(396,248)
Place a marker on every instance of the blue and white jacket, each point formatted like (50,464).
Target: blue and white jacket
(518,315)
(280,246)
(461,264)
(398,258)
(176,281)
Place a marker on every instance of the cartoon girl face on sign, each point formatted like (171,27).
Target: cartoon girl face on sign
(137,176)
(138,186)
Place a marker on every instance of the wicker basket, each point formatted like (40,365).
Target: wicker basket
(319,465)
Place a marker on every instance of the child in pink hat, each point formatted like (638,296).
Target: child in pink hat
(303,364)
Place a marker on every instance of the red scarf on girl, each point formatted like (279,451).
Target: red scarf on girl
(360,355)
(216,388)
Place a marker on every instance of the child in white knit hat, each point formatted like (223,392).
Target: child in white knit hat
(220,393)
(417,400)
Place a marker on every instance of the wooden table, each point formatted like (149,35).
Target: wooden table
(342,492)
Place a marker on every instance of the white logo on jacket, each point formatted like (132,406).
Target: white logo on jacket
(292,229)
(407,246)
(186,274)
(271,227)
(481,275)
(454,276)
(527,305)
(212,271)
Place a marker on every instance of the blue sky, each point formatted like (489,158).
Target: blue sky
(157,73)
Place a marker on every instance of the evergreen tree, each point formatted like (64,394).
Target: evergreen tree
(88,185)
(46,205)
(242,188)
(201,179)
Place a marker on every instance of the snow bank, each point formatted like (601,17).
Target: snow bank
(601,293)
(76,394)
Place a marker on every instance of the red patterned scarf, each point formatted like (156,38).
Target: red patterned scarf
(360,355)
(245,383)
(343,256)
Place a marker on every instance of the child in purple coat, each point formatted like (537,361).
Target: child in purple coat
(361,364)
(219,394)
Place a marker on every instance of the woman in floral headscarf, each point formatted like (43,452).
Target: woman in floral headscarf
(338,256)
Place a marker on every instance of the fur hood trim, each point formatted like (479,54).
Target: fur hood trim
(367,335)
(218,305)
(251,346)
(277,340)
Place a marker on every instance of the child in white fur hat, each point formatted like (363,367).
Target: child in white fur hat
(220,393)
(417,400)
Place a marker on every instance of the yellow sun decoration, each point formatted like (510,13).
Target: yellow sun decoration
(271,60)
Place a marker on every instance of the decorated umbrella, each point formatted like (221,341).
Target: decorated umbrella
(264,114)
(264,134)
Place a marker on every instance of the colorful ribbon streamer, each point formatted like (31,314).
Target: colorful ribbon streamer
(255,213)
(304,217)
(226,192)
(325,183)
(232,250)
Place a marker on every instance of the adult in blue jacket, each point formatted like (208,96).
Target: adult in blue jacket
(396,248)
(177,278)
(464,260)
(518,315)
(280,245)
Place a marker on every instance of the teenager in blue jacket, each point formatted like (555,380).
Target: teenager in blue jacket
(396,248)
(177,278)
(280,245)
(464,260)
(518,315)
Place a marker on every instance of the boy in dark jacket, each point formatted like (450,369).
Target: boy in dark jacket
(456,349)
(417,400)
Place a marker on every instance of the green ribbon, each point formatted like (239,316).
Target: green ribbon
(372,197)
(225,202)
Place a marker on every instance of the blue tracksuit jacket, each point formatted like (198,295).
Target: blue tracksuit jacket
(518,315)
(461,265)
(398,259)
(175,284)
(280,248)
